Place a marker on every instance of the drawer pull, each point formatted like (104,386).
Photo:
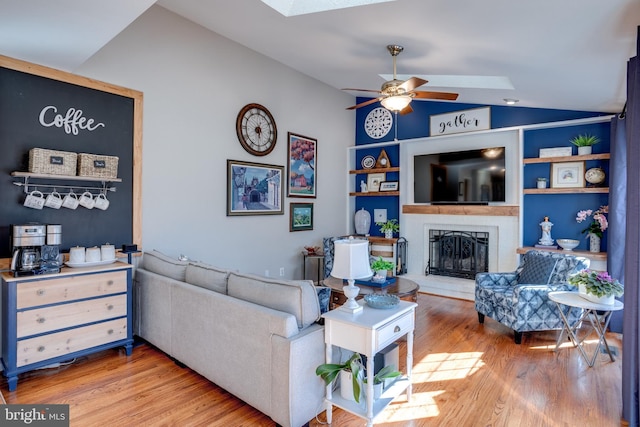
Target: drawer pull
(41,348)
(110,282)
(110,307)
(396,329)
(41,320)
(110,332)
(40,292)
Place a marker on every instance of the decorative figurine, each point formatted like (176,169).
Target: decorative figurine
(363,186)
(546,239)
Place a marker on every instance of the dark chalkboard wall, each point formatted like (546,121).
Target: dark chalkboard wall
(23,96)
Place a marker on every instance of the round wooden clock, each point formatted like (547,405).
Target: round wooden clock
(256,129)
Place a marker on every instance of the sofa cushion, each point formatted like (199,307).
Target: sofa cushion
(164,265)
(297,297)
(207,276)
(537,270)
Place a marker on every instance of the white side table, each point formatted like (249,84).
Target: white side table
(598,315)
(367,333)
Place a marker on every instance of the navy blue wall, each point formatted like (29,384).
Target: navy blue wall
(560,208)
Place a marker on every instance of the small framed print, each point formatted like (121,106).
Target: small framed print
(389,186)
(374,180)
(567,175)
(301,216)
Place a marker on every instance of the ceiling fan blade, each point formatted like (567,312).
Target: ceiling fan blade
(412,83)
(363,104)
(447,96)
(363,90)
(406,110)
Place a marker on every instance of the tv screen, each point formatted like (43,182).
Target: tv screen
(461,177)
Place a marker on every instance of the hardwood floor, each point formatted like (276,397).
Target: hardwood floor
(465,374)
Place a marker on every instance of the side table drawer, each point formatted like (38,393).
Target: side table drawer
(394,330)
(40,320)
(51,291)
(45,347)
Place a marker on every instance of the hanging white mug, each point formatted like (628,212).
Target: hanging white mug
(86,200)
(101,202)
(70,201)
(54,200)
(34,200)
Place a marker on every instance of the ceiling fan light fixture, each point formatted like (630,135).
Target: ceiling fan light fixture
(396,103)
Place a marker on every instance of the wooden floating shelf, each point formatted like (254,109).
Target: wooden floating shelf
(566,190)
(376,193)
(462,210)
(602,156)
(377,170)
(598,256)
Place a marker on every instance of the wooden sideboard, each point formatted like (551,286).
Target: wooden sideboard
(49,319)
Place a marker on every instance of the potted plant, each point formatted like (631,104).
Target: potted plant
(596,227)
(542,182)
(387,372)
(389,227)
(584,143)
(351,376)
(597,286)
(381,267)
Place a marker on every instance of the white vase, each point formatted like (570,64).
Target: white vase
(584,150)
(606,300)
(594,243)
(362,221)
(542,184)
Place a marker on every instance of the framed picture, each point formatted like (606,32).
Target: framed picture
(303,152)
(389,186)
(374,180)
(567,175)
(254,188)
(300,216)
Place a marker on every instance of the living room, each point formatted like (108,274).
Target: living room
(195,82)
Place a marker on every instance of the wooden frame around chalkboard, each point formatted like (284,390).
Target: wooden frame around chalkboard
(136,96)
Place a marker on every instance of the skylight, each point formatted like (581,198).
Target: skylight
(302,7)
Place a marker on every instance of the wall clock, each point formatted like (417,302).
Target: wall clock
(378,122)
(256,129)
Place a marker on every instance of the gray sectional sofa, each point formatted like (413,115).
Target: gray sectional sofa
(255,337)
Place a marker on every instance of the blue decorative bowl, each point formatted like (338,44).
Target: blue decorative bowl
(382,301)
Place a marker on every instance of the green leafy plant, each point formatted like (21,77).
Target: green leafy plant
(329,372)
(584,140)
(597,283)
(391,225)
(388,371)
(381,264)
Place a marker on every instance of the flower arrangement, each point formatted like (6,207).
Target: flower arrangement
(597,283)
(599,221)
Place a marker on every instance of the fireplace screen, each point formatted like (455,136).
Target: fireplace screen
(458,253)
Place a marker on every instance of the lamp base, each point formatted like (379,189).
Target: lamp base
(351,292)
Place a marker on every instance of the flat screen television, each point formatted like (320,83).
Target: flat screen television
(460,177)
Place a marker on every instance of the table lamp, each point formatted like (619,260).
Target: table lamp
(350,262)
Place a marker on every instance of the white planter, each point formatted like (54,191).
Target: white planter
(388,234)
(594,243)
(608,300)
(377,390)
(542,184)
(584,150)
(346,385)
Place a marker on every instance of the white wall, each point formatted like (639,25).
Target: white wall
(194,83)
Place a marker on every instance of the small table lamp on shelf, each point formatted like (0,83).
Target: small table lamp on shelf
(351,261)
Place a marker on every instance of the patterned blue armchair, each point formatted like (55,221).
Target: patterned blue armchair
(519,299)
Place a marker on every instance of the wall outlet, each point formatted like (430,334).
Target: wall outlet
(379,215)
(266,273)
(281,271)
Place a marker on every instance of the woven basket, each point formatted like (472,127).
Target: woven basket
(96,166)
(52,162)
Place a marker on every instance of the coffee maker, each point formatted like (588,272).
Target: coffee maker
(27,241)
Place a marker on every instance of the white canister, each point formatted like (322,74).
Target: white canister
(107,252)
(93,254)
(77,255)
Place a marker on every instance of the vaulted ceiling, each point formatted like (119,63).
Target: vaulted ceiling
(569,54)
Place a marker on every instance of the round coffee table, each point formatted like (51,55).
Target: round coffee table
(405,289)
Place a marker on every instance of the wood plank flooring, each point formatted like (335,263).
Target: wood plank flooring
(465,374)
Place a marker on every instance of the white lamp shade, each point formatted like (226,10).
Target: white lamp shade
(351,259)
(396,103)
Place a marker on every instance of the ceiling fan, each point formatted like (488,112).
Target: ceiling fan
(396,95)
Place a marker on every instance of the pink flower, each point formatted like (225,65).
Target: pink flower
(582,215)
(599,221)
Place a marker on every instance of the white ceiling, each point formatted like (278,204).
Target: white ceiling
(569,54)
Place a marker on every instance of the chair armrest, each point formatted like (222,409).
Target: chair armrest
(526,290)
(491,280)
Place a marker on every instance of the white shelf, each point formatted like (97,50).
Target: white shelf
(379,405)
